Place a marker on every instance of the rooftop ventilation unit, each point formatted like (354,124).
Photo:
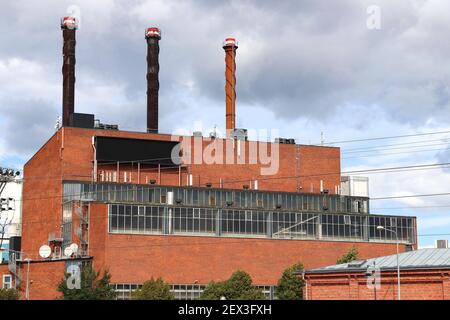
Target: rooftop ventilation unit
(81,120)
(442,244)
(356,264)
(239,134)
(197,134)
(104,126)
(213,135)
(284,141)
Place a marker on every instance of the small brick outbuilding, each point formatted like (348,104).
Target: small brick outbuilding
(424,275)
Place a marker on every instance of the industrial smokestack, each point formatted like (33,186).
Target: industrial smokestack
(69,26)
(153,35)
(230,45)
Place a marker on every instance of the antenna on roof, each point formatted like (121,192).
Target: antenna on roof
(58,123)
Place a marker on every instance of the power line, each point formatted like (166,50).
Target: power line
(397,144)
(389,137)
(361,156)
(379,149)
(394,153)
(367,171)
(411,207)
(412,196)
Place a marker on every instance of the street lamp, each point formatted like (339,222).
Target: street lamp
(398,264)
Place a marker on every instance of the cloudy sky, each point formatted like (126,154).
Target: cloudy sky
(303,67)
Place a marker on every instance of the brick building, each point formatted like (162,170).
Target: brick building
(139,209)
(424,275)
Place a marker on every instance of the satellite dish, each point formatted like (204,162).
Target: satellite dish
(74,248)
(68,251)
(45,251)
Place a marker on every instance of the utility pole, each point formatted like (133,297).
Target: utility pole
(7,175)
(6,204)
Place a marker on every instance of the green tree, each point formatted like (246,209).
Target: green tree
(92,286)
(154,290)
(9,294)
(290,285)
(238,287)
(350,256)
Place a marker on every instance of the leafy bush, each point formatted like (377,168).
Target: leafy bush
(238,287)
(154,290)
(350,256)
(290,286)
(92,287)
(9,294)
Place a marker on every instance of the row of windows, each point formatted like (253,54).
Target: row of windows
(208,197)
(254,223)
(181,291)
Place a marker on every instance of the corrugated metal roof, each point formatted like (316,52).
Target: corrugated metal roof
(420,259)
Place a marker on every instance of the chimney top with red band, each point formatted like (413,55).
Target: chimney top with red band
(69,23)
(230,42)
(153,33)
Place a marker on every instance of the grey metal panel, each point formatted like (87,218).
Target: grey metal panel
(422,258)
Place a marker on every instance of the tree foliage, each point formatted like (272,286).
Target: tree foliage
(290,285)
(92,286)
(238,287)
(350,256)
(9,294)
(154,290)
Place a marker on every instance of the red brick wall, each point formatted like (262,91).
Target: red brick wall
(181,259)
(3,270)
(68,155)
(42,191)
(414,285)
(44,278)
(313,160)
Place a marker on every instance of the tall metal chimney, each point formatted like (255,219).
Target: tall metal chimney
(69,26)
(153,35)
(230,45)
